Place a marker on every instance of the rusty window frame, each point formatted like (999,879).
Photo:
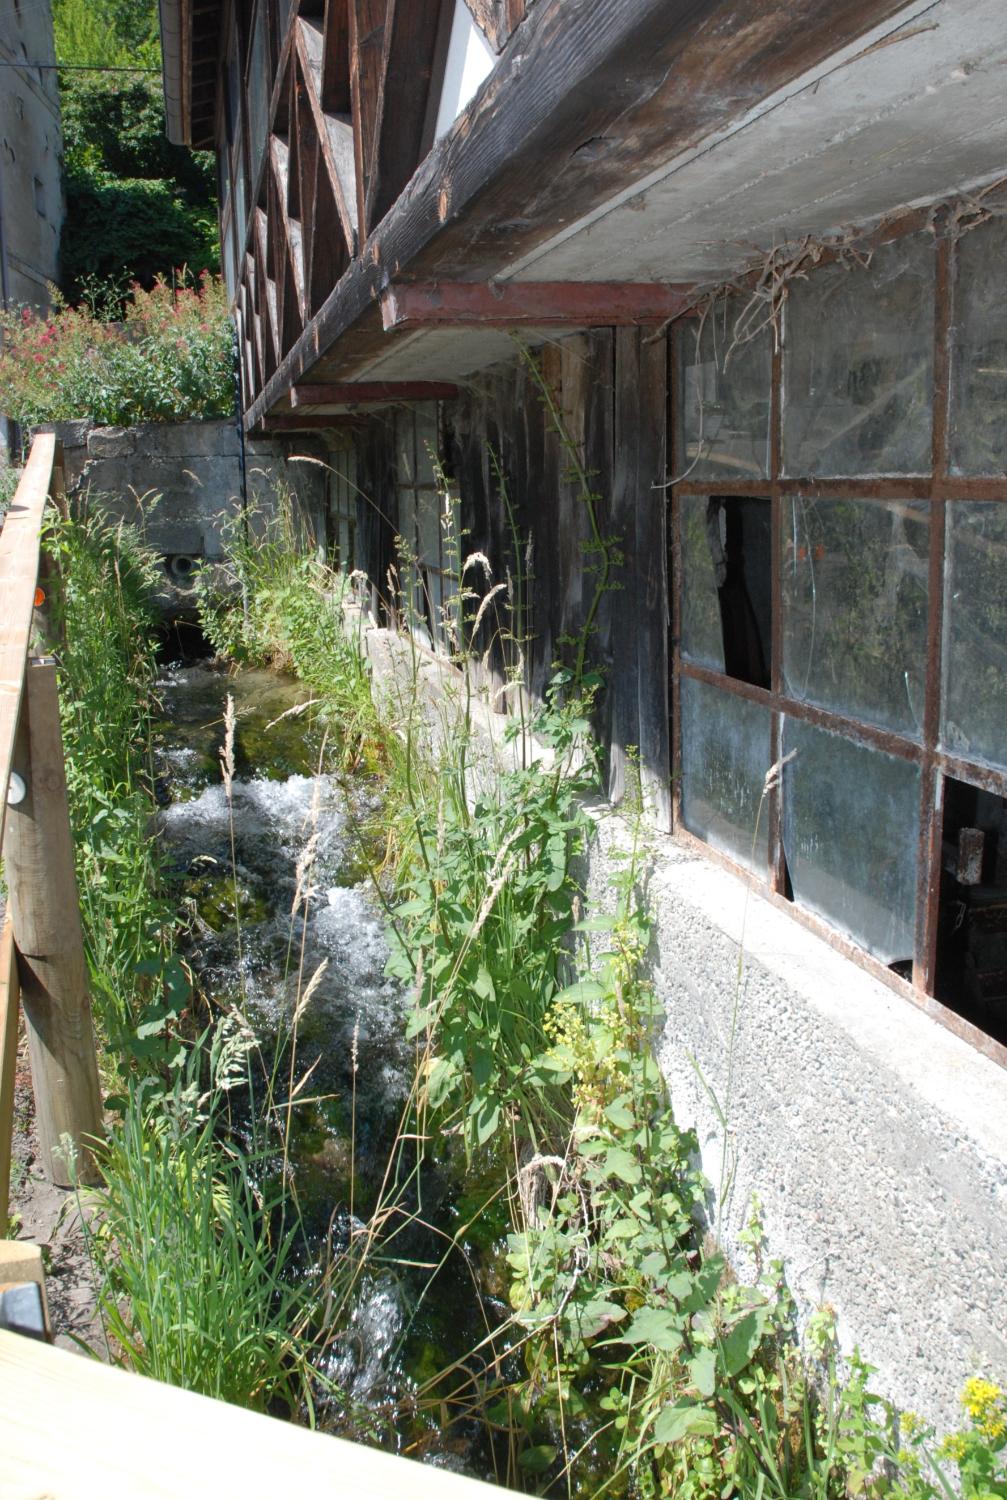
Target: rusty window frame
(941,489)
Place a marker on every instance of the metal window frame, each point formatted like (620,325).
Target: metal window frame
(941,489)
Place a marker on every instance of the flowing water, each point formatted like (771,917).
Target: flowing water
(352,1029)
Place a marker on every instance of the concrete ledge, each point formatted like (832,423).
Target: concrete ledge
(875,1138)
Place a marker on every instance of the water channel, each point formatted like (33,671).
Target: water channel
(400,1334)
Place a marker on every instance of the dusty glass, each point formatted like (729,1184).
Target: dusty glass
(850,820)
(974,699)
(725,757)
(724,397)
(977,433)
(855,586)
(858,365)
(702,634)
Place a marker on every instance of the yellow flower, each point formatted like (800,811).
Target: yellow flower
(984,1403)
(955,1448)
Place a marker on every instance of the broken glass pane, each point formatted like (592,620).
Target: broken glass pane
(723,406)
(850,820)
(974,704)
(855,607)
(725,757)
(977,431)
(727,584)
(858,365)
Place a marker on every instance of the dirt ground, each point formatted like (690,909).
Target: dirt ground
(49,1216)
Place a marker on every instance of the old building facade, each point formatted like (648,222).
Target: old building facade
(736,272)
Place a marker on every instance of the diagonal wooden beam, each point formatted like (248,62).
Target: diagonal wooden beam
(513,304)
(368,392)
(335,136)
(367,33)
(335,80)
(407,67)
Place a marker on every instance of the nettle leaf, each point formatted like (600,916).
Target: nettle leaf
(487,1121)
(655,1325)
(684,1419)
(584,989)
(620,1116)
(537,1460)
(596,924)
(703,1371)
(592,1316)
(418,1021)
(738,1347)
(620,1163)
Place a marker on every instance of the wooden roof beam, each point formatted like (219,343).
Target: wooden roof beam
(370,392)
(309,422)
(513,304)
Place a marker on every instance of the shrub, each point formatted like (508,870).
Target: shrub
(170,359)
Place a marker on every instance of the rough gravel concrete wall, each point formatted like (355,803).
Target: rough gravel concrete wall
(876,1139)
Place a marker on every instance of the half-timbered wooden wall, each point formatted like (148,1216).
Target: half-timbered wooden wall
(610,390)
(320,113)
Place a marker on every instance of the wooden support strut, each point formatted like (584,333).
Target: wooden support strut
(516,304)
(45,912)
(371,392)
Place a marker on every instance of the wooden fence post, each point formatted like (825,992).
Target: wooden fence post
(45,911)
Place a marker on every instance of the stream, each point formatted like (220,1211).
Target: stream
(352,1029)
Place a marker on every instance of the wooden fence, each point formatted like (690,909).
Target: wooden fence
(74,1429)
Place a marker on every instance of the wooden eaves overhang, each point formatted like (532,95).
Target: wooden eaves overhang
(587,97)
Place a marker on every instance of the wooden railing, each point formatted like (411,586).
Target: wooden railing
(73,1428)
(42,963)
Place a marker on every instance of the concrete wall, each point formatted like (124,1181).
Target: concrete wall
(875,1138)
(181,484)
(31,193)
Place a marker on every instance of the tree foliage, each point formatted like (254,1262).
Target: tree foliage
(137,206)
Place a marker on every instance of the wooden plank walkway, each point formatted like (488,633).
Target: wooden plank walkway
(74,1429)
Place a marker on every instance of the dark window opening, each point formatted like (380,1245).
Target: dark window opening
(738,530)
(972,923)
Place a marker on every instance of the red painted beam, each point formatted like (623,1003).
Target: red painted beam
(351,393)
(513,304)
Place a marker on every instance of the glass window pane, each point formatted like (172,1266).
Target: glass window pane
(724,391)
(727,584)
(858,365)
(850,820)
(978,433)
(725,757)
(974,708)
(702,633)
(426,442)
(855,576)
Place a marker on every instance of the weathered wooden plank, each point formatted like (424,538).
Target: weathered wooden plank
(335,138)
(367,33)
(45,913)
(10,1000)
(19,550)
(539,304)
(407,66)
(334,93)
(284,421)
(652,585)
(120,1439)
(368,391)
(625,607)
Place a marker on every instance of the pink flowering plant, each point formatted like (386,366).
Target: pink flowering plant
(169,359)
